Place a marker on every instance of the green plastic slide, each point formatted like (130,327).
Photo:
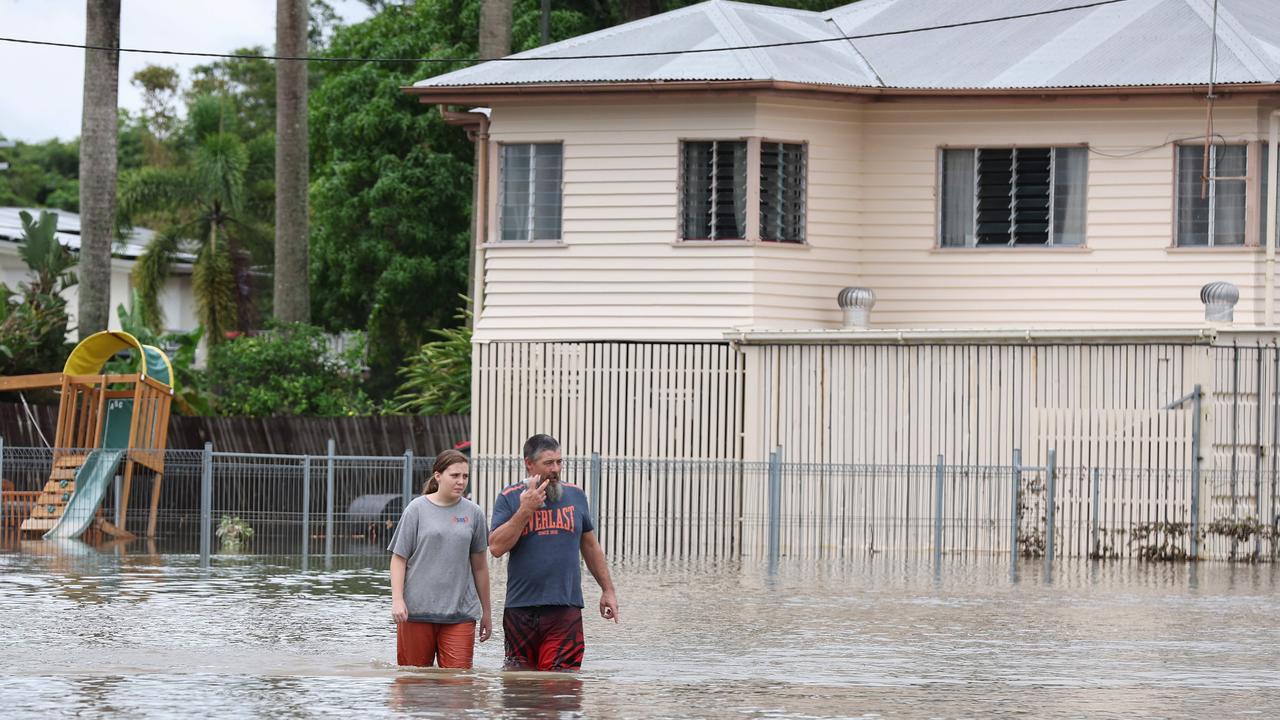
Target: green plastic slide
(95,475)
(92,480)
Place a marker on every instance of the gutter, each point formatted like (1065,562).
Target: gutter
(477,126)
(1273,170)
(1196,336)
(473,94)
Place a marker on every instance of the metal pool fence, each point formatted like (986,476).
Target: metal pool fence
(215,503)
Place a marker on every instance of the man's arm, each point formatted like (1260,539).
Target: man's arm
(593,555)
(505,536)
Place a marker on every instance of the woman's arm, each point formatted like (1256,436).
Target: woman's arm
(399,612)
(480,572)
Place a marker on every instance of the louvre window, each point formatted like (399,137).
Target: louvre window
(782,192)
(714,190)
(530,187)
(1211,213)
(1013,196)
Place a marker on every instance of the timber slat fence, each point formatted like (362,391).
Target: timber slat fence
(326,504)
(30,425)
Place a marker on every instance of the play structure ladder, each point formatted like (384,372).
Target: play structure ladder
(57,493)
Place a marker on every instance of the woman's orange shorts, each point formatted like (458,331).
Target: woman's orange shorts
(424,644)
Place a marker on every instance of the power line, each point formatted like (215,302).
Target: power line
(655,53)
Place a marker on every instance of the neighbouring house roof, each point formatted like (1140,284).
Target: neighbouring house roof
(133,245)
(1131,43)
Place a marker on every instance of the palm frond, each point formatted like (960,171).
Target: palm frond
(154,189)
(220,165)
(214,282)
(149,275)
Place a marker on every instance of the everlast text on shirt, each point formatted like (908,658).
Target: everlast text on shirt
(550,522)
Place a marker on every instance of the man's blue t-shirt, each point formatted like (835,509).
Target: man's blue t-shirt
(543,569)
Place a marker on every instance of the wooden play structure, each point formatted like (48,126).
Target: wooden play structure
(103,421)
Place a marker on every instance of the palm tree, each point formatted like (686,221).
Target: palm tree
(98,119)
(291,296)
(203,203)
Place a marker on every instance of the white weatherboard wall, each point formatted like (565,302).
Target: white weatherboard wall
(176,298)
(621,274)
(1128,275)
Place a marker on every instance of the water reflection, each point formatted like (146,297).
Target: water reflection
(530,694)
(436,691)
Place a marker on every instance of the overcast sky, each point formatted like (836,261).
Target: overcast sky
(41,87)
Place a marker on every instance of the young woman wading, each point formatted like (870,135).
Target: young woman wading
(439,573)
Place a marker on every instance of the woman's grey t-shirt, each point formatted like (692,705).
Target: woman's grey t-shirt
(438,543)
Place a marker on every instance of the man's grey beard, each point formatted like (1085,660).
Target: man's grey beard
(554,491)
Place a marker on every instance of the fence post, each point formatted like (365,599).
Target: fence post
(2,525)
(775,509)
(118,487)
(1,491)
(1094,548)
(206,503)
(594,499)
(306,509)
(406,487)
(1196,459)
(328,508)
(939,471)
(1051,494)
(1013,511)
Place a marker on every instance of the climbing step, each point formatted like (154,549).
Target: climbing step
(63,473)
(54,498)
(46,510)
(38,524)
(69,461)
(60,486)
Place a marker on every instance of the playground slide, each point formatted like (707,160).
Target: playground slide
(92,480)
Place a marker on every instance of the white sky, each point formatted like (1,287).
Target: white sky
(41,87)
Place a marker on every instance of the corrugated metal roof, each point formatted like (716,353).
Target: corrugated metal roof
(1131,43)
(68,233)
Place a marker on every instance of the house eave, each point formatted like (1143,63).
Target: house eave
(493,94)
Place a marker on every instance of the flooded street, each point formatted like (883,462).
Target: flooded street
(138,635)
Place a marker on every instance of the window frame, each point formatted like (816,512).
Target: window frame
(753,180)
(1255,202)
(1050,246)
(496,237)
(804,156)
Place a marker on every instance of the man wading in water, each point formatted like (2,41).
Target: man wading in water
(545,524)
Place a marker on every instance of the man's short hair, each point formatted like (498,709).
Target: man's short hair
(538,444)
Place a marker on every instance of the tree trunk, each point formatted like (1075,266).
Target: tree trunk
(98,132)
(495,28)
(292,290)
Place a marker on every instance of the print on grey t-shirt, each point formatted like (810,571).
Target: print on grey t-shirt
(438,543)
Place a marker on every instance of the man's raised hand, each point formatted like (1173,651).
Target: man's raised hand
(535,495)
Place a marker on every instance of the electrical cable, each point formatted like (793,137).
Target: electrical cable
(606,56)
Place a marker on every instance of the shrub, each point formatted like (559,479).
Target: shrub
(33,319)
(437,379)
(288,370)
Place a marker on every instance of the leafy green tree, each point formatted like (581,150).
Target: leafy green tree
(33,319)
(203,206)
(391,185)
(289,370)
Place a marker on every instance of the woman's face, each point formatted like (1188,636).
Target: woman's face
(453,481)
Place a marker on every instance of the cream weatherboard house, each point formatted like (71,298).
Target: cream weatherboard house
(1020,206)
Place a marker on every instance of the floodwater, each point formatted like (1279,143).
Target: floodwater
(147,634)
